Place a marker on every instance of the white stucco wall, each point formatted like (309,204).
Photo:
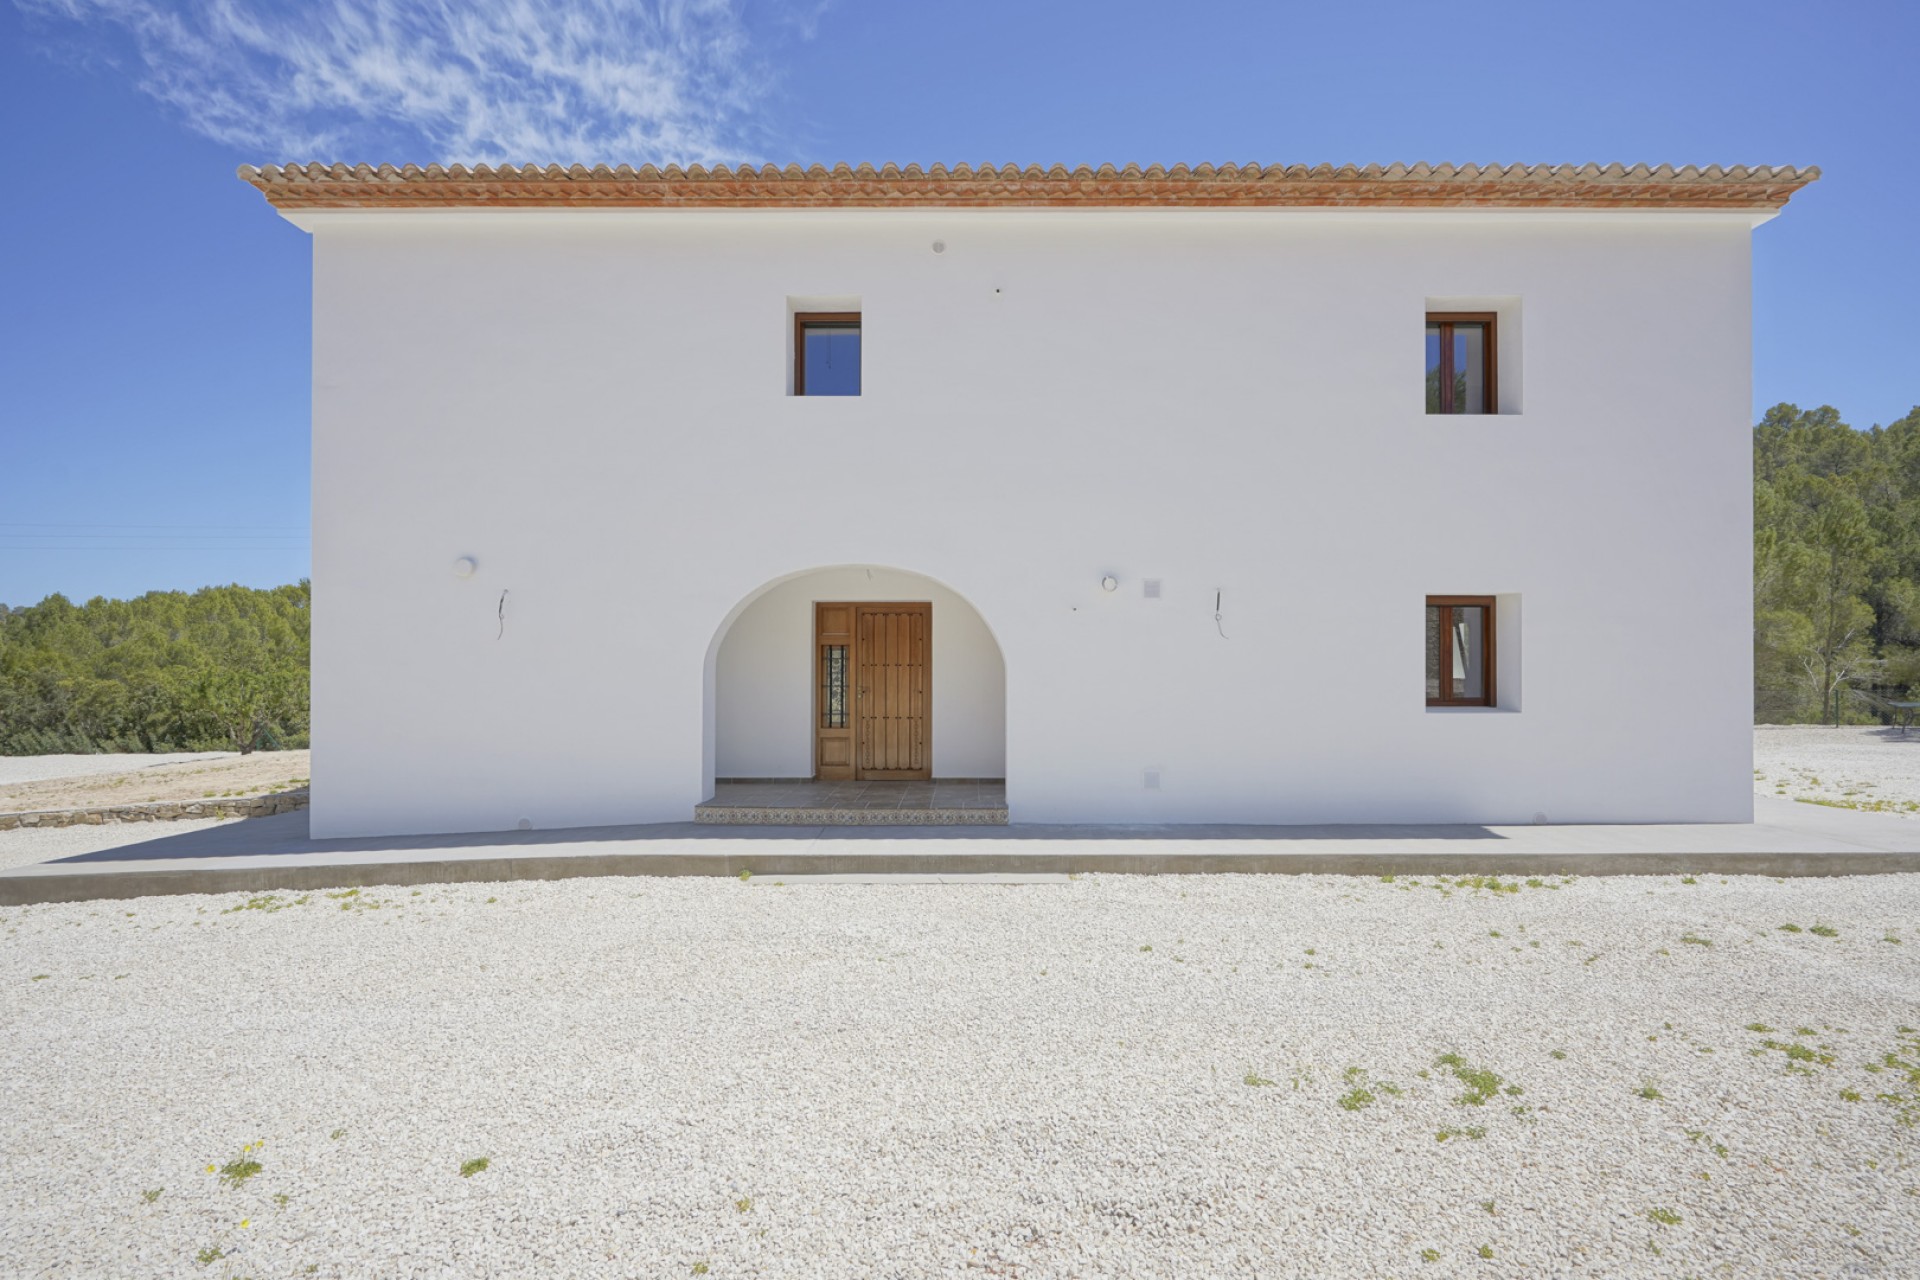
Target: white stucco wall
(592,405)
(763,683)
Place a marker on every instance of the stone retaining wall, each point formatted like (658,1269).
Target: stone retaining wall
(162,811)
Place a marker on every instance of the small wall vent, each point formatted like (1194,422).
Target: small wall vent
(1151,588)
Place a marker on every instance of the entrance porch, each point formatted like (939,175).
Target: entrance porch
(939,802)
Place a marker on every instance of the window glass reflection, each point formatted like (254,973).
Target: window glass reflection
(832,361)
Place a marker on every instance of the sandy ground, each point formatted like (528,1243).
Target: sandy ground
(66,782)
(1116,1076)
(33,768)
(1852,767)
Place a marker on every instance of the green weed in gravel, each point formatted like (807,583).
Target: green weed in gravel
(243,1166)
(269,903)
(1361,1092)
(1482,1083)
(1903,1061)
(1701,1135)
(476,1165)
(1796,1052)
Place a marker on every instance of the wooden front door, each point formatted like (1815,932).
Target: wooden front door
(873,696)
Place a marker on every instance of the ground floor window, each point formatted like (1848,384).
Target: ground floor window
(1460,651)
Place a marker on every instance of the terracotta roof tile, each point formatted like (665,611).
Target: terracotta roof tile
(1415,186)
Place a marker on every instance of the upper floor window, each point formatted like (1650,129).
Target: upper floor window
(1460,362)
(826,353)
(1460,651)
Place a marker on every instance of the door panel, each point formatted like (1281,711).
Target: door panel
(891,655)
(833,691)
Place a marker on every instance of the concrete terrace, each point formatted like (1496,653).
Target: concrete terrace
(275,853)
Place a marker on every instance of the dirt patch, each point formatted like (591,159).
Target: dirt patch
(227,777)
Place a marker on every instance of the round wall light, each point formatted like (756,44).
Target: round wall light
(464,567)
(1109,583)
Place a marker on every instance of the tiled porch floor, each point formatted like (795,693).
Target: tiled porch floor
(940,802)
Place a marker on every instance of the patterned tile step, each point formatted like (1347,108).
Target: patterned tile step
(769,816)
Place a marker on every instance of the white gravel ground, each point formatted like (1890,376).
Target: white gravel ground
(21,846)
(34,768)
(1851,767)
(1115,1076)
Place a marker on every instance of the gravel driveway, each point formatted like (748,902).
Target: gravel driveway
(1850,767)
(1172,1076)
(22,846)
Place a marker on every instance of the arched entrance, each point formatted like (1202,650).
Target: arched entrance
(855,694)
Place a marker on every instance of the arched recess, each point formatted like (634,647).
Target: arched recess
(759,677)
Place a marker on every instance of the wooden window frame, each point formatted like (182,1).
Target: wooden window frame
(804,320)
(1489,358)
(1446,606)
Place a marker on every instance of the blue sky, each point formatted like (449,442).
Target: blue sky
(154,313)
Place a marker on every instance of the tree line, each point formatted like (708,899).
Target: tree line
(222,668)
(1836,567)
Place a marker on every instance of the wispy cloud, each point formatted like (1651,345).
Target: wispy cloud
(619,81)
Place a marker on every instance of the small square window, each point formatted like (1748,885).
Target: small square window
(826,353)
(1460,362)
(1460,651)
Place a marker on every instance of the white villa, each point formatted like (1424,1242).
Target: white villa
(1109,496)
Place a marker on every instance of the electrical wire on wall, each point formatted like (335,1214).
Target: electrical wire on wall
(1217,624)
(502,614)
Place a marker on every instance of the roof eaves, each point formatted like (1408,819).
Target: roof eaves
(1422,186)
